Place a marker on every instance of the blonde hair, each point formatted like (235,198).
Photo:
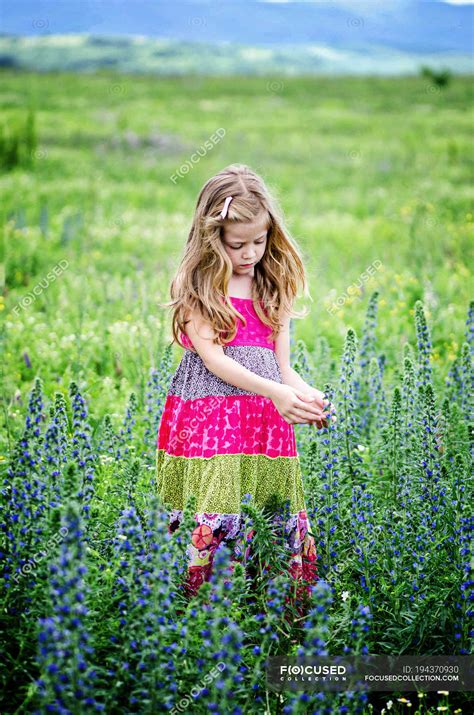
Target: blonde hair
(202,279)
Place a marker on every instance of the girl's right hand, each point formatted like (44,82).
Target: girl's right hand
(295,407)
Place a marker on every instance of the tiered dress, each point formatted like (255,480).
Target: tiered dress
(220,442)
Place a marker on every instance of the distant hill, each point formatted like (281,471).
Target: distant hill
(226,36)
(83,53)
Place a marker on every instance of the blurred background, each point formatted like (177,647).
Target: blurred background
(358,115)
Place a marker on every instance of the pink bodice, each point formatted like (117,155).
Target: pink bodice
(254,333)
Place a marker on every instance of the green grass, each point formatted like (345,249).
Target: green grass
(365,169)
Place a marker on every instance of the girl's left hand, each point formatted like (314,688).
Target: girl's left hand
(321,401)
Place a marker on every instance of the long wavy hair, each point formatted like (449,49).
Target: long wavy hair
(202,278)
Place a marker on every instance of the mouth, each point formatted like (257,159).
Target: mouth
(246,265)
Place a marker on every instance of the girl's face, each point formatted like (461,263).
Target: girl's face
(245,244)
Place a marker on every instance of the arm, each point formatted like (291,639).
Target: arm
(282,351)
(235,374)
(289,374)
(201,335)
(287,401)
(291,377)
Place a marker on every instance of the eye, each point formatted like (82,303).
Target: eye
(257,242)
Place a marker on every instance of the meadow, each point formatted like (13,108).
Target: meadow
(374,177)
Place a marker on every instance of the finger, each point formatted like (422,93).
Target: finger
(320,421)
(312,399)
(319,401)
(306,407)
(311,409)
(308,417)
(298,419)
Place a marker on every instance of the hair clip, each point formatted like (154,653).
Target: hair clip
(226,206)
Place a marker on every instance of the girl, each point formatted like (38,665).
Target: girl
(227,425)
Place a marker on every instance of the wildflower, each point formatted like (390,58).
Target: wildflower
(345,595)
(82,446)
(63,648)
(424,344)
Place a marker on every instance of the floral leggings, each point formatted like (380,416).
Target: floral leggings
(212,529)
